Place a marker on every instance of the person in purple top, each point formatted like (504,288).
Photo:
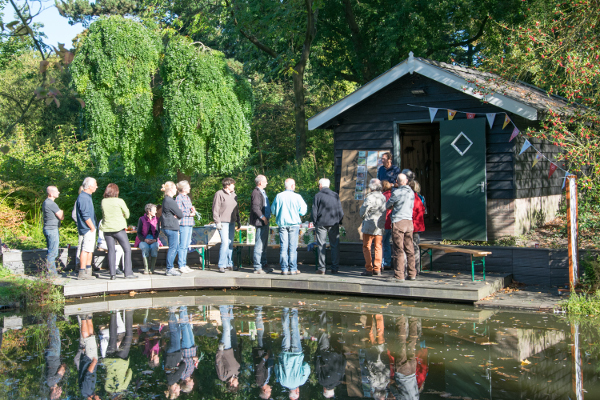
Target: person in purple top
(186,224)
(388,171)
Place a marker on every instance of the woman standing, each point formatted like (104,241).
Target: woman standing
(171,214)
(373,214)
(387,233)
(418,222)
(146,239)
(114,222)
(186,225)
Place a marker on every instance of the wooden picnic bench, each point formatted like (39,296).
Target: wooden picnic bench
(453,249)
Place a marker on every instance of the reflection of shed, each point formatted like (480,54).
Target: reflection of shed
(473,179)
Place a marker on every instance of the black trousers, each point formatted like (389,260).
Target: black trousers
(120,237)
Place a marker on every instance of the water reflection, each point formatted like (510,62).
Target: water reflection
(220,350)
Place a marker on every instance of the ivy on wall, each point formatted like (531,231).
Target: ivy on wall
(172,107)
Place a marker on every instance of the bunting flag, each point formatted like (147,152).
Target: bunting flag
(526,145)
(470,115)
(514,134)
(451,114)
(506,121)
(490,118)
(432,112)
(538,157)
(552,169)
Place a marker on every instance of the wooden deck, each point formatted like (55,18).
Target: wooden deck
(455,287)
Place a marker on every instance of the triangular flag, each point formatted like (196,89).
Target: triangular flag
(491,117)
(552,169)
(526,145)
(470,115)
(451,114)
(515,132)
(432,112)
(506,121)
(538,157)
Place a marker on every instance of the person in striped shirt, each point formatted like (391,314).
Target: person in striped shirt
(186,224)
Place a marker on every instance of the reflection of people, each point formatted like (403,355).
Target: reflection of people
(405,361)
(54,369)
(377,356)
(327,215)
(262,358)
(330,364)
(118,373)
(181,357)
(373,214)
(151,339)
(86,359)
(292,371)
(227,365)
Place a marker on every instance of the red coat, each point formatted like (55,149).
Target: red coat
(418,215)
(388,213)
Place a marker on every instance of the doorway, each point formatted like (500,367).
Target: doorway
(420,152)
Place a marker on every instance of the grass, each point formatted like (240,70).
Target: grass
(507,241)
(38,291)
(583,304)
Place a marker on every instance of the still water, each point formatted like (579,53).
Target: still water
(258,345)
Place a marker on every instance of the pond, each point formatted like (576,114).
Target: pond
(262,345)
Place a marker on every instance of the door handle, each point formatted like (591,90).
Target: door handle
(482,184)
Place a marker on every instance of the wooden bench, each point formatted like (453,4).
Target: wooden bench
(452,249)
(200,248)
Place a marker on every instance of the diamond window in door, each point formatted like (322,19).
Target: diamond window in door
(462,143)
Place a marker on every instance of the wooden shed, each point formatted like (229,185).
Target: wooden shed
(476,185)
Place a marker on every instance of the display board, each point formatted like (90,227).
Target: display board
(358,168)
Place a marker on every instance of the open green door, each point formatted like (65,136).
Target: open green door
(463,183)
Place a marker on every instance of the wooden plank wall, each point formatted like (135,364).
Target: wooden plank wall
(370,124)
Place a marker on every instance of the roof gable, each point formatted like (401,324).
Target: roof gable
(520,99)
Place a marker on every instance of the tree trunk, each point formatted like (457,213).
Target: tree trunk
(299,113)
(183,177)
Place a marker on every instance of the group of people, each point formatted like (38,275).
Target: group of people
(392,209)
(395,364)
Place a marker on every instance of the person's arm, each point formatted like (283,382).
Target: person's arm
(92,365)
(215,209)
(125,209)
(140,225)
(303,206)
(390,203)
(60,214)
(87,214)
(257,203)
(314,212)
(364,209)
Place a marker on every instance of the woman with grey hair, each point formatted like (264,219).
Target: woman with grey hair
(373,214)
(147,239)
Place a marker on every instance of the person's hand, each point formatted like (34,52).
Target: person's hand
(149,241)
(265,220)
(193,210)
(92,229)
(219,226)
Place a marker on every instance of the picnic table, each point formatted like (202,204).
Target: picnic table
(429,247)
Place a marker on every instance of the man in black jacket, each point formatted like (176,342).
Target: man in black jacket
(260,214)
(330,362)
(327,215)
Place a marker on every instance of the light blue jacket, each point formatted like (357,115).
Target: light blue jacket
(288,207)
(292,371)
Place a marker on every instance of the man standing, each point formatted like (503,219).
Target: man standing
(327,215)
(401,203)
(52,215)
(86,227)
(226,215)
(288,207)
(259,217)
(388,171)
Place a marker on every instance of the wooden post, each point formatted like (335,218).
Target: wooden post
(572,228)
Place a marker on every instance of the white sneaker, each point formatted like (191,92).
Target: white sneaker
(188,269)
(183,270)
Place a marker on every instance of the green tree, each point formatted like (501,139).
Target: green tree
(557,48)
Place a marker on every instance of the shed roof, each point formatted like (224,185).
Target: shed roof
(516,97)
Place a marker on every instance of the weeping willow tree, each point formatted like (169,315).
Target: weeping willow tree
(173,107)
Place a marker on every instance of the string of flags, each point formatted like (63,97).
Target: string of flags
(515,132)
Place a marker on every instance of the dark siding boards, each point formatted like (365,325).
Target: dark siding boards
(370,125)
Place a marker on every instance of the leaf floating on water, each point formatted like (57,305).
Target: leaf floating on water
(525,362)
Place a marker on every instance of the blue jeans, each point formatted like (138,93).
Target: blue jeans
(187,335)
(174,333)
(52,240)
(54,344)
(387,248)
(288,255)
(291,343)
(173,239)
(226,251)
(149,250)
(260,247)
(229,336)
(260,325)
(185,238)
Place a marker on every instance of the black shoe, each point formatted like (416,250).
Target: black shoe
(234,268)
(319,272)
(113,277)
(367,273)
(335,271)
(268,270)
(119,272)
(414,278)
(131,277)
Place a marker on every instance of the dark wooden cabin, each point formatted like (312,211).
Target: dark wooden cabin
(486,193)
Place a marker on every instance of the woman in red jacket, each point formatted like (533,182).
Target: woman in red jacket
(418,222)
